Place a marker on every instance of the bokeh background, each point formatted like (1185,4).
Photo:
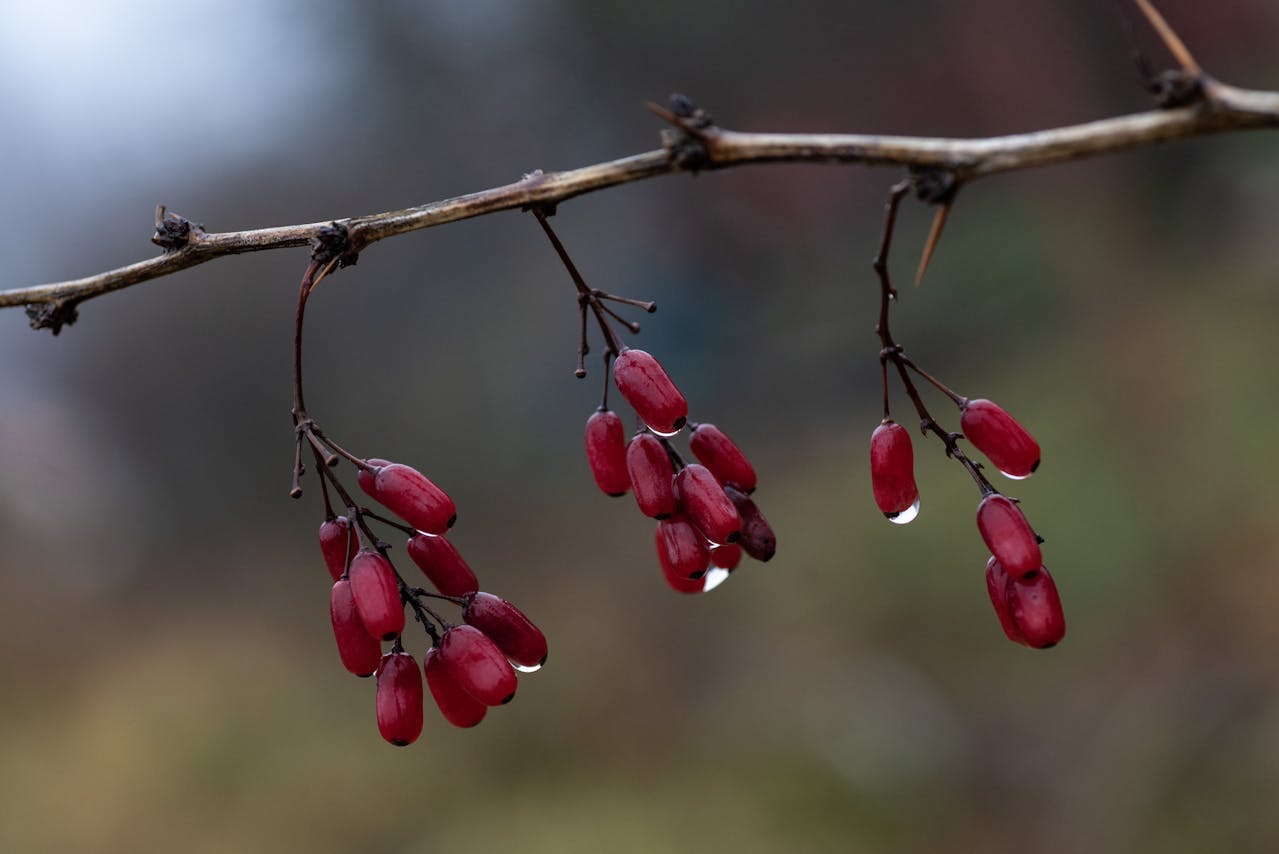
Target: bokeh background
(169,681)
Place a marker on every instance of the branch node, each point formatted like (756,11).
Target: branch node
(1177,88)
(54,314)
(173,232)
(685,143)
(334,241)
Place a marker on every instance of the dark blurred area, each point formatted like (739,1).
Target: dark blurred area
(170,677)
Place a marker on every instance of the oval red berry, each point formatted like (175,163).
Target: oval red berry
(477,665)
(652,474)
(706,504)
(720,454)
(648,389)
(377,595)
(606,452)
(997,582)
(338,544)
(1008,535)
(517,637)
(399,699)
(1036,609)
(442,564)
(997,434)
(413,497)
(758,539)
(681,548)
(360,651)
(458,707)
(892,470)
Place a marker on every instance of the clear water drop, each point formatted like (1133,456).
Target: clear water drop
(1015,476)
(523,668)
(657,432)
(907,515)
(714,578)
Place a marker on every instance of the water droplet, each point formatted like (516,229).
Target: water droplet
(664,435)
(1015,476)
(714,578)
(525,668)
(906,515)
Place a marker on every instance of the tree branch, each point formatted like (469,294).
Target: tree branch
(693,146)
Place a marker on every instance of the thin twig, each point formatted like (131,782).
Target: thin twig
(1227,108)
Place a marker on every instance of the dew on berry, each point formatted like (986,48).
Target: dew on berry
(650,392)
(715,576)
(516,636)
(1012,450)
(892,472)
(906,516)
(526,668)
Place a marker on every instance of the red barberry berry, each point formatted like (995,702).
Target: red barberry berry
(367,479)
(721,455)
(606,452)
(399,699)
(520,641)
(892,472)
(442,564)
(703,499)
(359,650)
(998,435)
(726,557)
(458,707)
(1036,609)
(681,548)
(339,544)
(997,587)
(682,583)
(648,389)
(412,496)
(377,595)
(757,538)
(477,665)
(652,474)
(1008,535)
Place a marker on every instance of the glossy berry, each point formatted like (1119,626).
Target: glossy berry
(458,707)
(757,538)
(1036,609)
(366,479)
(892,469)
(1008,535)
(652,474)
(377,595)
(997,588)
(998,435)
(399,699)
(412,496)
(726,557)
(360,651)
(649,390)
(477,665)
(517,637)
(442,564)
(606,452)
(681,548)
(721,455)
(682,583)
(702,498)
(339,544)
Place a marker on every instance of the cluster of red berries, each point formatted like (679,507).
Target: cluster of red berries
(1021,590)
(468,667)
(705,516)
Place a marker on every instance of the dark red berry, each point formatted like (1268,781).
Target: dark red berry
(606,452)
(648,389)
(366,478)
(442,564)
(477,665)
(412,496)
(997,587)
(681,548)
(757,538)
(1008,535)
(1036,609)
(652,475)
(339,544)
(998,435)
(458,707)
(360,651)
(399,699)
(681,583)
(721,455)
(517,637)
(377,595)
(726,557)
(892,469)
(703,499)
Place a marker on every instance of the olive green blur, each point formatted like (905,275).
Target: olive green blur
(168,677)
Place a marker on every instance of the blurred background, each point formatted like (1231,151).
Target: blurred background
(169,676)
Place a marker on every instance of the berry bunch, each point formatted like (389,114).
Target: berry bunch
(705,516)
(468,666)
(1022,592)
